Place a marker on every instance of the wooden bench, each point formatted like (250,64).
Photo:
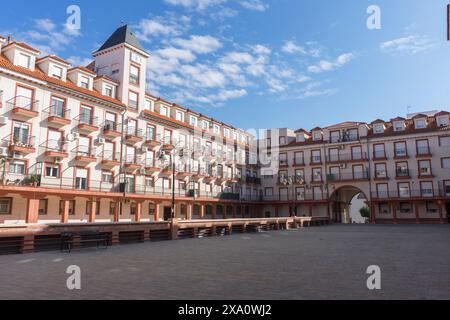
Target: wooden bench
(71,241)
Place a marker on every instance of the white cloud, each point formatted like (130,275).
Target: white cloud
(154,28)
(199,44)
(407,45)
(79,61)
(195,4)
(256,5)
(291,47)
(325,65)
(204,76)
(176,54)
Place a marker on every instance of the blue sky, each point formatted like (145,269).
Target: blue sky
(266,63)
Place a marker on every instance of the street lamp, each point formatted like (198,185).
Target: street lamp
(173,153)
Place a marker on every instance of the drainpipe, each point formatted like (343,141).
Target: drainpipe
(121,171)
(370,180)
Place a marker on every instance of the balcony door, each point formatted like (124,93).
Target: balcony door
(84,146)
(54,140)
(21,133)
(58,107)
(86,115)
(108,151)
(24,98)
(81,179)
(110,123)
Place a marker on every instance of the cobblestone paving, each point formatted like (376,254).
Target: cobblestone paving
(318,263)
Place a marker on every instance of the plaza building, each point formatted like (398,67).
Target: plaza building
(89,144)
(399,168)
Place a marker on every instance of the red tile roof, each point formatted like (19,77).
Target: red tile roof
(83,69)
(54,58)
(39,75)
(23,45)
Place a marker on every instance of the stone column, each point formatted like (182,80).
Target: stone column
(213,212)
(202,211)
(189,213)
(138,215)
(157,211)
(65,211)
(116,213)
(92,213)
(394,212)
(32,216)
(416,211)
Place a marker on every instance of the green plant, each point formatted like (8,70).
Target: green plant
(365,212)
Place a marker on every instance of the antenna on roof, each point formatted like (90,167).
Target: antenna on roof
(10,39)
(408,109)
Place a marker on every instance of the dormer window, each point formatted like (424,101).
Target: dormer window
(57,72)
(300,138)
(420,123)
(399,126)
(226,132)
(282,141)
(442,121)
(164,111)
(317,135)
(108,91)
(149,105)
(193,121)
(24,60)
(378,128)
(179,115)
(84,82)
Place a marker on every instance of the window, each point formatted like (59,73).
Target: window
(81,179)
(17,167)
(216,129)
(282,141)
(382,190)
(402,169)
(444,141)
(107,177)
(5,206)
(86,115)
(380,171)
(84,82)
(442,121)
(133,100)
(425,168)
(21,134)
(89,205)
(426,188)
(316,156)
(283,159)
(135,57)
(149,182)
(51,171)
(132,127)
(403,190)
(420,123)
(423,147)
(268,192)
(226,132)
(405,207)
(357,153)
(317,174)
(317,135)
(447,187)
(24,61)
(57,72)
(43,205)
(359,172)
(378,128)
(299,158)
(193,121)
(149,105)
(108,91)
(379,151)
(58,107)
(151,133)
(300,175)
(445,163)
(112,208)
(400,149)
(300,194)
(384,208)
(205,125)
(431,207)
(24,98)
(317,193)
(399,126)
(133,208)
(164,111)
(179,116)
(335,136)
(134,75)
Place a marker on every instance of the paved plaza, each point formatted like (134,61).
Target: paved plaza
(317,263)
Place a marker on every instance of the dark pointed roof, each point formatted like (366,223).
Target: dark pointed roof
(122,35)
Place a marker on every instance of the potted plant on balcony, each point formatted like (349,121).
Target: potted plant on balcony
(35,180)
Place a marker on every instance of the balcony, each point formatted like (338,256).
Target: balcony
(403,174)
(133,136)
(23,107)
(423,152)
(299,197)
(57,116)
(132,163)
(84,155)
(346,137)
(401,154)
(345,177)
(348,157)
(183,171)
(252,180)
(111,130)
(168,144)
(21,143)
(407,194)
(379,155)
(87,124)
(54,149)
(381,175)
(153,141)
(110,159)
(316,161)
(167,169)
(299,162)
(283,163)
